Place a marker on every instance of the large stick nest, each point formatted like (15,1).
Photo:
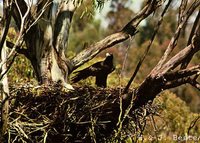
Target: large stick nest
(50,114)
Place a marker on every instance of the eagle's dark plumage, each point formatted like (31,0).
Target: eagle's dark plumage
(100,70)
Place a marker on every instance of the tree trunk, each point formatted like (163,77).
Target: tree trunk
(46,40)
(47,43)
(4,93)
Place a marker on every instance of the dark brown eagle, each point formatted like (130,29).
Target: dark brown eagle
(100,70)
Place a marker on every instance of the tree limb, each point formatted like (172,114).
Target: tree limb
(175,38)
(182,9)
(18,48)
(176,83)
(8,67)
(7,12)
(195,84)
(194,28)
(109,41)
(179,57)
(148,47)
(181,81)
(195,70)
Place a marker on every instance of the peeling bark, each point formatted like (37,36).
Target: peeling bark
(46,41)
(7,11)
(4,94)
(47,46)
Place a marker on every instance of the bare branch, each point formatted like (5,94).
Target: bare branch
(8,67)
(109,41)
(179,82)
(38,15)
(195,70)
(4,92)
(179,58)
(18,48)
(194,28)
(148,47)
(174,39)
(22,28)
(19,40)
(195,84)
(182,9)
(7,12)
(176,83)
(193,123)
(174,61)
(96,48)
(180,77)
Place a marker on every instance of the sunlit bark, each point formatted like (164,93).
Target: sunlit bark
(4,94)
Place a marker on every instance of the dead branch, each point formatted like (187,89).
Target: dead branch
(19,41)
(111,40)
(182,9)
(7,12)
(175,38)
(193,123)
(148,47)
(194,83)
(176,83)
(18,48)
(23,18)
(194,30)
(155,82)
(177,78)
(8,67)
(182,73)
(178,59)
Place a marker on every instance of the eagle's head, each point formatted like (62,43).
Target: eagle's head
(109,60)
(108,54)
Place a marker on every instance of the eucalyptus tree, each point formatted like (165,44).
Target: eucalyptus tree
(44,26)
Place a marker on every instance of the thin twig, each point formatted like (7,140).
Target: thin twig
(8,67)
(194,28)
(192,124)
(7,12)
(175,38)
(182,9)
(148,48)
(19,40)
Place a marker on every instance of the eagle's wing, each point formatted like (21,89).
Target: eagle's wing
(85,73)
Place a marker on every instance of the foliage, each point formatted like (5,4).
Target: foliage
(174,120)
(85,28)
(118,11)
(21,71)
(165,32)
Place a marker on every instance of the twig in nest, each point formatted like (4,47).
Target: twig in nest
(193,123)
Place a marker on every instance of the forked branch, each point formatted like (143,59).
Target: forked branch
(111,40)
(148,47)
(175,38)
